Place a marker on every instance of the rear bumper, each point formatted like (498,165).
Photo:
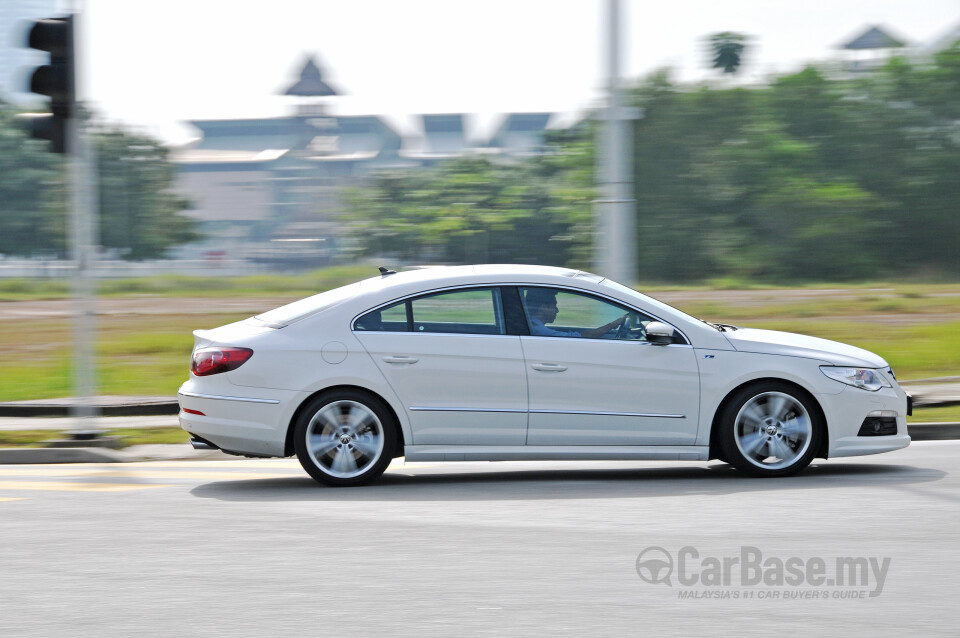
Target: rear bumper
(250,425)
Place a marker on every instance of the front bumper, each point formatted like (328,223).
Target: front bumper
(863,445)
(846,412)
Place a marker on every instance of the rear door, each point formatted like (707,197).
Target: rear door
(459,375)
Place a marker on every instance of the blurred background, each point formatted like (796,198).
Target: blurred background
(252,154)
(773,143)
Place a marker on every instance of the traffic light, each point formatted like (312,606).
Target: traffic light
(55,80)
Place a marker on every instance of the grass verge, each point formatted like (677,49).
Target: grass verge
(128,436)
(915,327)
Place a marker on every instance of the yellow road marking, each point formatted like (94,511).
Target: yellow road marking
(53,486)
(270,463)
(223,465)
(2,500)
(204,475)
(267,463)
(162,474)
(160,471)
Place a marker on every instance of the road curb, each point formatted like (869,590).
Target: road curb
(158,406)
(44,455)
(933,431)
(133,454)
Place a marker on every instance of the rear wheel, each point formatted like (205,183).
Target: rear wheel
(345,438)
(770,429)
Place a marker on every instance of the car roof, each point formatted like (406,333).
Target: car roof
(439,276)
(392,285)
(359,297)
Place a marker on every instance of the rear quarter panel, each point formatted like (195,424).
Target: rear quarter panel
(314,354)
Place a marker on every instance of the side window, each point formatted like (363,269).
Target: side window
(553,312)
(476,311)
(390,319)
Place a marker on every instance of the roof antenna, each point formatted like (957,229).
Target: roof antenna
(384,272)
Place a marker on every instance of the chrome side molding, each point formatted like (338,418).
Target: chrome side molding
(197,395)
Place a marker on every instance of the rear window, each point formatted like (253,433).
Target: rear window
(311,305)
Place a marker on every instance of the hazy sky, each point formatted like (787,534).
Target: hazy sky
(154,64)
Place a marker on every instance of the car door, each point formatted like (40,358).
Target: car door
(614,389)
(460,377)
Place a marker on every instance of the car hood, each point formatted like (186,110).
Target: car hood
(795,345)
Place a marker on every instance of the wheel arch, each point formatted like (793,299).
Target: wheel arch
(288,448)
(721,407)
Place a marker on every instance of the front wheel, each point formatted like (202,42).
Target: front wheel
(345,438)
(770,429)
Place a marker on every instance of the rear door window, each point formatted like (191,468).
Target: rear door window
(474,311)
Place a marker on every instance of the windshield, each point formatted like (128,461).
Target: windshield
(650,301)
(298,309)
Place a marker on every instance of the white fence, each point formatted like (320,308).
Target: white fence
(115,269)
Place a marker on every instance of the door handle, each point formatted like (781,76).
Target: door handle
(400,359)
(549,367)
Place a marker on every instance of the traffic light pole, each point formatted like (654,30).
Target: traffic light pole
(63,127)
(82,169)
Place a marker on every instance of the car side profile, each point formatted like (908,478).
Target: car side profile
(527,362)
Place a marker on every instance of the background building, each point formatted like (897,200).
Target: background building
(267,190)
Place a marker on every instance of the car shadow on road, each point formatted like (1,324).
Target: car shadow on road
(501,483)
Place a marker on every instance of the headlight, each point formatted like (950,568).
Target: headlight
(863,378)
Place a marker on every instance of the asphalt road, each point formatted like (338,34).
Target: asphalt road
(255,548)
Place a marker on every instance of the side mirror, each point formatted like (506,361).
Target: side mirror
(659,334)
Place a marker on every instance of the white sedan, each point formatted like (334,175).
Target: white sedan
(527,362)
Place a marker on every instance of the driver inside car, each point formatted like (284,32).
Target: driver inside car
(542,307)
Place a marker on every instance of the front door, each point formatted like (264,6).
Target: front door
(611,388)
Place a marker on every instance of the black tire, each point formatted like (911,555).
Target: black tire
(344,438)
(767,418)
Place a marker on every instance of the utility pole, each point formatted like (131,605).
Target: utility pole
(615,209)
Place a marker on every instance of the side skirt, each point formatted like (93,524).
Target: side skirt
(557,453)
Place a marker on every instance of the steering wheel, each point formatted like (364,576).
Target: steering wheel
(625,327)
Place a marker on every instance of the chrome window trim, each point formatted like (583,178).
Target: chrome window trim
(498,301)
(438,334)
(197,395)
(353,322)
(636,342)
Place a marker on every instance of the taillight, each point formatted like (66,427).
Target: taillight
(207,361)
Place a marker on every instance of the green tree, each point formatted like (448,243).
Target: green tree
(726,50)
(477,211)
(32,193)
(140,212)
(681,216)
(811,177)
